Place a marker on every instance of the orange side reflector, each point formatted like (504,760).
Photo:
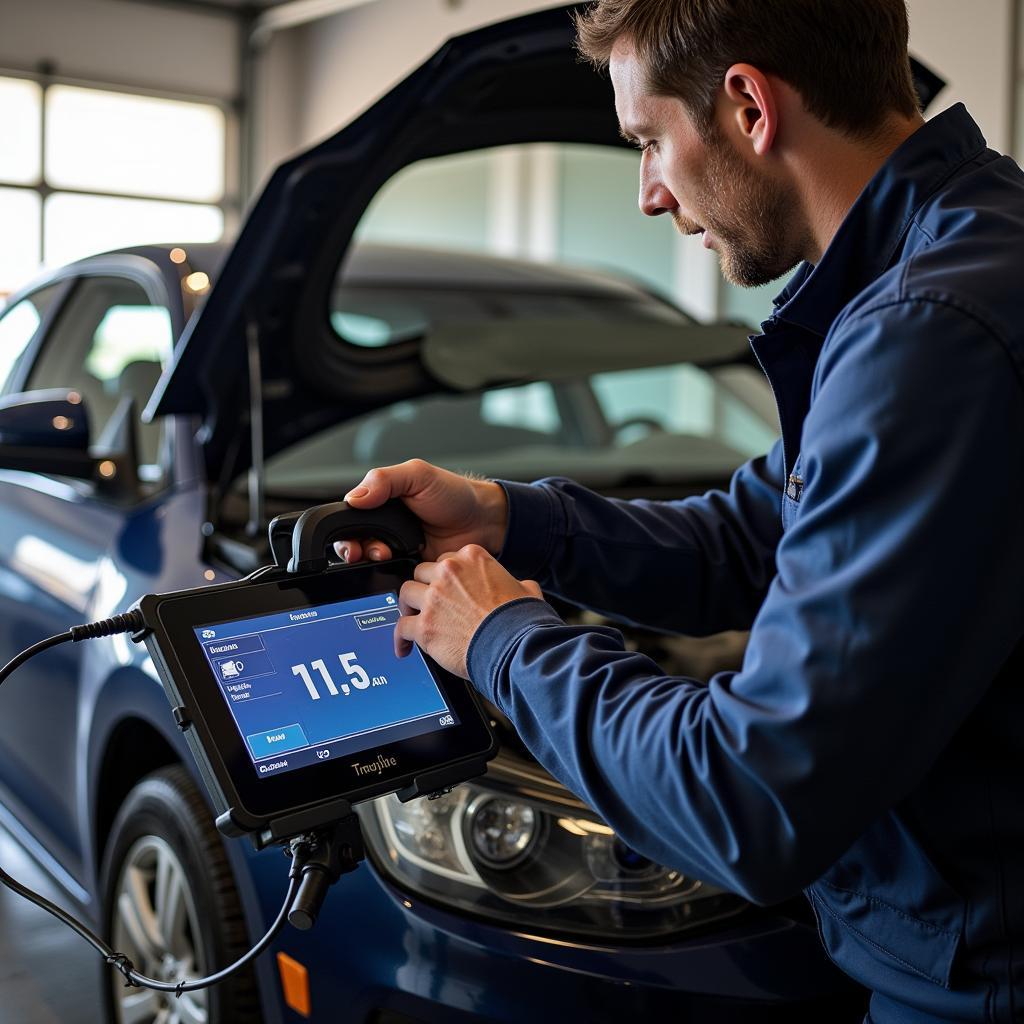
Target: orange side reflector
(295,982)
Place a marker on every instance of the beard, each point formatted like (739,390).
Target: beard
(752,218)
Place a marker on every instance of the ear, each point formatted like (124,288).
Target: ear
(751,105)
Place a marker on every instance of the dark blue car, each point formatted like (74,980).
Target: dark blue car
(160,405)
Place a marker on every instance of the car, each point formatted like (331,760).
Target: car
(269,376)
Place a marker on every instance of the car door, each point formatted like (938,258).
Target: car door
(107,342)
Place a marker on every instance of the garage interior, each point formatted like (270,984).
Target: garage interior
(126,122)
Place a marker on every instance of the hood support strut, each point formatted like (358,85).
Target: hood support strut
(257,496)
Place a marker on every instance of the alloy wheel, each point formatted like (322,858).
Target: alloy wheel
(156,925)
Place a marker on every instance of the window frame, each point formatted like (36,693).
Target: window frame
(230,203)
(176,441)
(27,355)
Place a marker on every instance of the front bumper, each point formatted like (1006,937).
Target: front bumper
(381,957)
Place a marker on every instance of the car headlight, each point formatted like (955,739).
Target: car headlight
(533,860)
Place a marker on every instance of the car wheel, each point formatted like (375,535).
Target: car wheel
(170,904)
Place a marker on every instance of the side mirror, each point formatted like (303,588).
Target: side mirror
(46,432)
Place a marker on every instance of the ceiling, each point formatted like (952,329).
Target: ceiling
(238,5)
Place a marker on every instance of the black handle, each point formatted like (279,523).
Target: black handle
(317,528)
(281,529)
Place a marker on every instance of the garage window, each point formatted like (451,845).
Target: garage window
(85,170)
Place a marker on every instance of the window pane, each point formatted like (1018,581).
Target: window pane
(21,103)
(686,401)
(129,334)
(18,326)
(108,344)
(77,226)
(19,242)
(531,406)
(112,142)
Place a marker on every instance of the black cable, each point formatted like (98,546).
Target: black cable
(31,652)
(125,966)
(128,623)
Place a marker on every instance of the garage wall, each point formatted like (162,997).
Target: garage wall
(972,46)
(121,43)
(277,98)
(381,42)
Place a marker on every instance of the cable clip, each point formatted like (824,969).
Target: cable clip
(125,966)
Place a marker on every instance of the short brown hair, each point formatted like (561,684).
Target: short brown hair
(847,58)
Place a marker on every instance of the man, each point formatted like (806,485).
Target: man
(869,749)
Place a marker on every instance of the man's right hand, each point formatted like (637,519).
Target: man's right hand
(454,510)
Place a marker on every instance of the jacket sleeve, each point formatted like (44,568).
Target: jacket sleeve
(897,598)
(628,558)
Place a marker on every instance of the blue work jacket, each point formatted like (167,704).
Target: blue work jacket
(870,750)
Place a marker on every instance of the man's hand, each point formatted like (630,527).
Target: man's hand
(443,606)
(455,511)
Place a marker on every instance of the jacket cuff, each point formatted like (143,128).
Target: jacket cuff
(534,518)
(495,637)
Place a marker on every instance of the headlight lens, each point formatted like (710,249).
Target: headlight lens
(535,863)
(502,831)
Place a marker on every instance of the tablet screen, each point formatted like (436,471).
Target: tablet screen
(321,683)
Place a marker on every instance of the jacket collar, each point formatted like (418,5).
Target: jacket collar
(872,233)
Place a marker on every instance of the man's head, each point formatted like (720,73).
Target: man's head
(735,102)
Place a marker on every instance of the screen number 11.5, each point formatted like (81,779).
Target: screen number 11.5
(357,676)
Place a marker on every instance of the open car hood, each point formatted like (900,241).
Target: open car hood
(518,81)
(515,82)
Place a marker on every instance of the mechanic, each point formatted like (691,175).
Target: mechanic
(868,751)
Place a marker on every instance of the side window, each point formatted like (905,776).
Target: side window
(18,326)
(684,401)
(110,343)
(529,407)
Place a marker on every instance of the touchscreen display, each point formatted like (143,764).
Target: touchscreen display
(321,683)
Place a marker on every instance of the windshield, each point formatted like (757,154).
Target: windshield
(655,425)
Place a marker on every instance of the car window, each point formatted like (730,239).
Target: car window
(110,343)
(664,425)
(682,400)
(18,326)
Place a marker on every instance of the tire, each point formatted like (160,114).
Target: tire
(165,868)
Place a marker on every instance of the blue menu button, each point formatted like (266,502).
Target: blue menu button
(276,741)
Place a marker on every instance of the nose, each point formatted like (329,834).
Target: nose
(655,197)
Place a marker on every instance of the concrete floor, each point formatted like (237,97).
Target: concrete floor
(48,975)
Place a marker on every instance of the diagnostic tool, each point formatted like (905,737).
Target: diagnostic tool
(289,691)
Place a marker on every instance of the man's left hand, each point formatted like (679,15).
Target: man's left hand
(445,602)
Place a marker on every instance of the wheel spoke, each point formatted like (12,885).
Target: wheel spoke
(171,910)
(136,913)
(140,1006)
(191,1008)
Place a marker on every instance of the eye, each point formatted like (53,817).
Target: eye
(646,147)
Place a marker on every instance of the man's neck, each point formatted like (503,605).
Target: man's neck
(836,172)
